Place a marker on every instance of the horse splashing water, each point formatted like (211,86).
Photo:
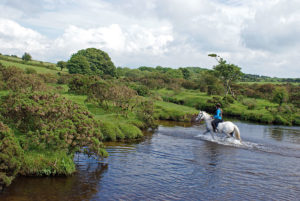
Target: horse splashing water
(226,127)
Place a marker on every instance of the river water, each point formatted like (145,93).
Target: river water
(177,162)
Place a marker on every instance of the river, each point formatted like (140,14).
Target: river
(177,162)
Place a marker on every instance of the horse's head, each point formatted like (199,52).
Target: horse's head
(200,116)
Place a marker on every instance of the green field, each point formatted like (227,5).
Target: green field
(39,69)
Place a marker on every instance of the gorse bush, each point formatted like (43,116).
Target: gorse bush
(16,79)
(119,96)
(250,103)
(81,84)
(64,78)
(30,71)
(11,155)
(49,121)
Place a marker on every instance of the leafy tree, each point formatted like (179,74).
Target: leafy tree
(26,57)
(91,61)
(228,73)
(62,65)
(79,64)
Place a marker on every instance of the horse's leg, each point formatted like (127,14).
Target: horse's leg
(206,132)
(227,134)
(212,134)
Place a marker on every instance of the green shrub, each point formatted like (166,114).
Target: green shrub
(267,118)
(250,103)
(64,78)
(130,131)
(51,122)
(22,82)
(145,113)
(16,79)
(30,71)
(81,84)
(11,155)
(111,132)
(228,99)
(281,120)
(141,90)
(49,78)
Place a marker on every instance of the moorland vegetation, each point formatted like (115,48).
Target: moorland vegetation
(50,112)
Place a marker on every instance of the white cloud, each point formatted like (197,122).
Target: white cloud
(261,36)
(15,39)
(275,27)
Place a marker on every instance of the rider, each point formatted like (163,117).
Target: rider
(217,117)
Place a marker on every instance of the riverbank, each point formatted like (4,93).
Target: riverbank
(243,108)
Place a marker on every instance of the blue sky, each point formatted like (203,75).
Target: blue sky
(260,36)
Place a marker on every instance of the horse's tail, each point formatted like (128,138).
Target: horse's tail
(237,133)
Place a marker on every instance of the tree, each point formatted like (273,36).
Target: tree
(79,64)
(228,73)
(62,65)
(91,61)
(26,57)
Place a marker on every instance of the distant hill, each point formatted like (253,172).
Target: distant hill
(8,60)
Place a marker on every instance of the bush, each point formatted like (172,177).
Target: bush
(30,71)
(250,103)
(23,82)
(130,131)
(228,100)
(11,155)
(16,79)
(64,78)
(51,122)
(280,120)
(49,78)
(145,112)
(9,72)
(280,95)
(111,132)
(189,84)
(81,84)
(141,90)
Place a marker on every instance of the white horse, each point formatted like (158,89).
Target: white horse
(226,127)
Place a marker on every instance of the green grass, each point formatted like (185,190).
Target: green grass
(37,163)
(269,82)
(26,66)
(171,111)
(18,59)
(190,98)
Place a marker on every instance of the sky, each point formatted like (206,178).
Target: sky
(260,36)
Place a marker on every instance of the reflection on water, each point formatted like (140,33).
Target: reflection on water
(291,134)
(174,164)
(83,185)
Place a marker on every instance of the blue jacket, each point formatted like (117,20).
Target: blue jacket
(218,114)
